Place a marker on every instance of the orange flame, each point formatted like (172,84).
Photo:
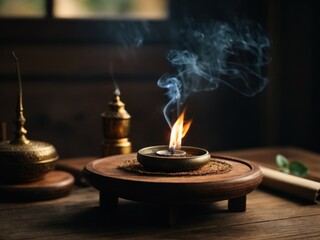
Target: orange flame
(178,131)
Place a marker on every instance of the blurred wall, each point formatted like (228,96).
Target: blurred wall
(67,81)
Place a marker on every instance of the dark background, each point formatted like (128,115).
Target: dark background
(67,81)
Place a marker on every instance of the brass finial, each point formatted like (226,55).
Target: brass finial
(117,106)
(20,132)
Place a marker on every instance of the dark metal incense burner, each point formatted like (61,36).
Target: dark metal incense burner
(161,159)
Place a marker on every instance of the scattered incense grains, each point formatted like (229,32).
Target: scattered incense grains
(213,167)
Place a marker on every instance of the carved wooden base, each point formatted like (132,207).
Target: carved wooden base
(171,191)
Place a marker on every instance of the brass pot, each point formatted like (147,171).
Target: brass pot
(26,162)
(194,159)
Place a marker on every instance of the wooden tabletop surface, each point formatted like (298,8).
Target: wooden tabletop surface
(269,214)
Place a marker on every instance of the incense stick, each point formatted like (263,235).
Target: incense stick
(19,79)
(301,187)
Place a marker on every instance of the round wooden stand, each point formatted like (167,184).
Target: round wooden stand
(54,184)
(114,183)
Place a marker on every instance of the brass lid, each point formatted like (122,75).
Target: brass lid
(34,152)
(117,108)
(21,159)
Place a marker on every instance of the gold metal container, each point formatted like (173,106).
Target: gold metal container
(23,160)
(116,128)
(152,159)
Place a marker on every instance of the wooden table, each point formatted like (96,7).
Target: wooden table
(269,215)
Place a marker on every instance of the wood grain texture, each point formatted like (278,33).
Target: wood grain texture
(77,216)
(104,175)
(269,215)
(266,157)
(75,166)
(54,184)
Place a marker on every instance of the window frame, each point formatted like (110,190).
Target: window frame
(49,29)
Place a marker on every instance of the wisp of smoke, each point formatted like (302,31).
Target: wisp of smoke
(212,54)
(132,34)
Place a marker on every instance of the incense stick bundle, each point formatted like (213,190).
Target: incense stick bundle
(297,186)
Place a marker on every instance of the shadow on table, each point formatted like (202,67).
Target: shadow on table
(137,219)
(290,197)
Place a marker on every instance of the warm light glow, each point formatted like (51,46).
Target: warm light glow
(178,131)
(112,9)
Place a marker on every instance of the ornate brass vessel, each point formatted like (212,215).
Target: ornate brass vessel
(116,128)
(188,158)
(23,160)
